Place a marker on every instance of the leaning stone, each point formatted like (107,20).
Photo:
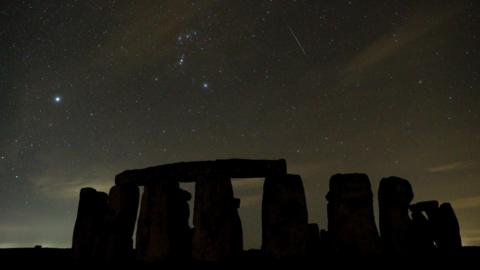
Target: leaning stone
(284,217)
(394,196)
(351,222)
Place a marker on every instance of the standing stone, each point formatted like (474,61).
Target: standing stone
(162,224)
(351,223)
(123,203)
(394,196)
(218,231)
(89,236)
(423,232)
(284,217)
(182,245)
(447,228)
(441,230)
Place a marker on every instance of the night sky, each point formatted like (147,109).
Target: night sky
(91,88)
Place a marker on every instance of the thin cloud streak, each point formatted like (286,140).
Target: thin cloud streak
(454,166)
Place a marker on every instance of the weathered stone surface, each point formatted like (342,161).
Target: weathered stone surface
(89,236)
(351,223)
(448,229)
(284,217)
(217,233)
(123,205)
(162,230)
(191,171)
(394,196)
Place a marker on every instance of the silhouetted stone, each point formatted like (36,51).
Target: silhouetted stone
(217,233)
(351,222)
(89,236)
(182,245)
(394,196)
(313,240)
(325,243)
(448,229)
(421,233)
(429,207)
(192,171)
(163,222)
(439,228)
(123,203)
(284,217)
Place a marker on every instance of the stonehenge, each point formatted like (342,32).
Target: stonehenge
(105,226)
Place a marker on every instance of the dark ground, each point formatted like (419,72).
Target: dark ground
(467,257)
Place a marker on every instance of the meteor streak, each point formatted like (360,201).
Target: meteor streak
(298,41)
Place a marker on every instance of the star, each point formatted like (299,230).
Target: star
(181,60)
(57,99)
(205,85)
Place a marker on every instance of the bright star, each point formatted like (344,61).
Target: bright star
(57,99)
(181,60)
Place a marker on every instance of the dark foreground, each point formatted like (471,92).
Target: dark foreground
(53,257)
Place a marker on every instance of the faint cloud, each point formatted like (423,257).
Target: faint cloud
(61,187)
(467,203)
(454,166)
(416,27)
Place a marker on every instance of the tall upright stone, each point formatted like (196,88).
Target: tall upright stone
(217,233)
(285,227)
(163,223)
(394,197)
(351,222)
(89,233)
(123,204)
